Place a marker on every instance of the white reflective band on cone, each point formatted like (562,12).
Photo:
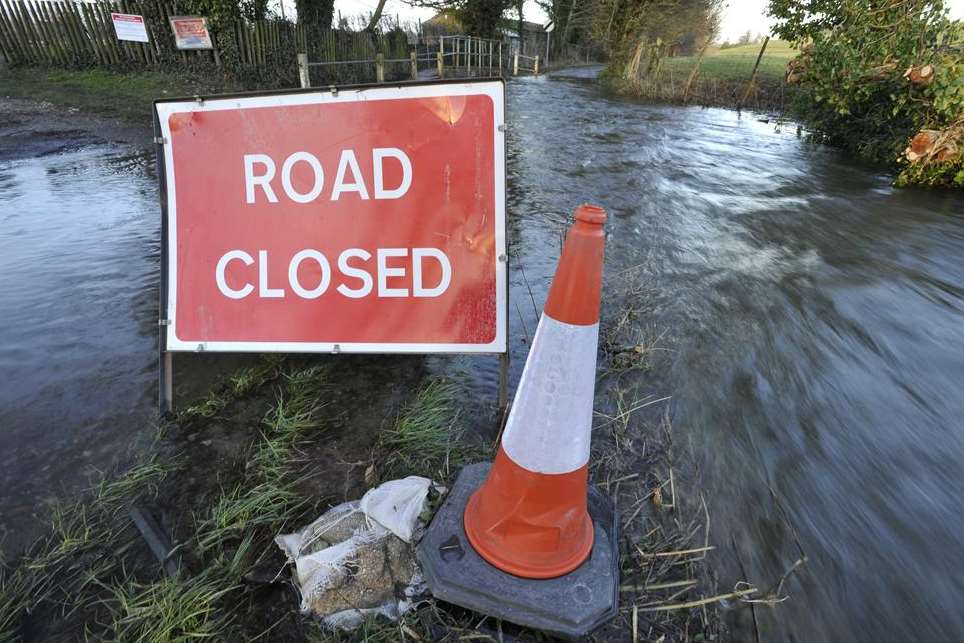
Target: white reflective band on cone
(551,419)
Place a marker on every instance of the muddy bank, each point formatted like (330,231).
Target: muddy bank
(30,128)
(278,442)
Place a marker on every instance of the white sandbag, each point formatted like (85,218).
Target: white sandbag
(397,504)
(351,561)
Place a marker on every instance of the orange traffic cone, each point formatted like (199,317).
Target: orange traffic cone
(530,517)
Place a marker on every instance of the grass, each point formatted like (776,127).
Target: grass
(425,438)
(170,609)
(237,385)
(248,379)
(91,572)
(178,608)
(14,602)
(81,568)
(84,548)
(125,95)
(734,63)
(268,496)
(723,78)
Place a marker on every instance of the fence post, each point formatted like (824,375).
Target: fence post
(380,67)
(515,65)
(500,58)
(468,56)
(749,86)
(414,58)
(535,69)
(303,71)
(441,64)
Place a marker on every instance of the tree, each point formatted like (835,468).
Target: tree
(376,16)
(642,31)
(478,17)
(254,9)
(520,4)
(798,20)
(875,76)
(315,13)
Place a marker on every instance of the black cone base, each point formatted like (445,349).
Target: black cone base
(570,606)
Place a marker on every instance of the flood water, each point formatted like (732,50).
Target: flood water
(814,316)
(79,248)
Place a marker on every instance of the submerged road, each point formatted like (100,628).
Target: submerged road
(813,314)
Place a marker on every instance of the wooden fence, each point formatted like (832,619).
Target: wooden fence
(80,34)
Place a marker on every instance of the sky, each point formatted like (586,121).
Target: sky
(738,15)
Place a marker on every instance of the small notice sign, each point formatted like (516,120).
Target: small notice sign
(129,26)
(191,32)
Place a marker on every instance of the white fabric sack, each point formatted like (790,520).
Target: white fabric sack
(397,504)
(330,553)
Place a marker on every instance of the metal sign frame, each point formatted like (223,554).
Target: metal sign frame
(168,343)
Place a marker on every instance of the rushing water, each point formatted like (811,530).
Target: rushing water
(814,316)
(816,319)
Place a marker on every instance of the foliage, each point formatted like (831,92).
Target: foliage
(475,17)
(640,33)
(316,13)
(857,91)
(481,17)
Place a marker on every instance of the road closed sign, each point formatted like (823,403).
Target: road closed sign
(356,220)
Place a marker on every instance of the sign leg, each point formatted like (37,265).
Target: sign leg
(166,383)
(503,382)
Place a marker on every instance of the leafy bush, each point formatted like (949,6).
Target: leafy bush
(875,75)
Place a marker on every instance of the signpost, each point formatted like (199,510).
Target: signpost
(366,219)
(129,26)
(191,32)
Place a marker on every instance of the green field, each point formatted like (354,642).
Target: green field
(735,63)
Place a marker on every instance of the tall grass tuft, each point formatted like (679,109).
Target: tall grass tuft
(268,497)
(425,438)
(179,608)
(83,549)
(15,601)
(235,386)
(170,609)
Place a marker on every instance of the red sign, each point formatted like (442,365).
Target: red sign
(367,220)
(191,32)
